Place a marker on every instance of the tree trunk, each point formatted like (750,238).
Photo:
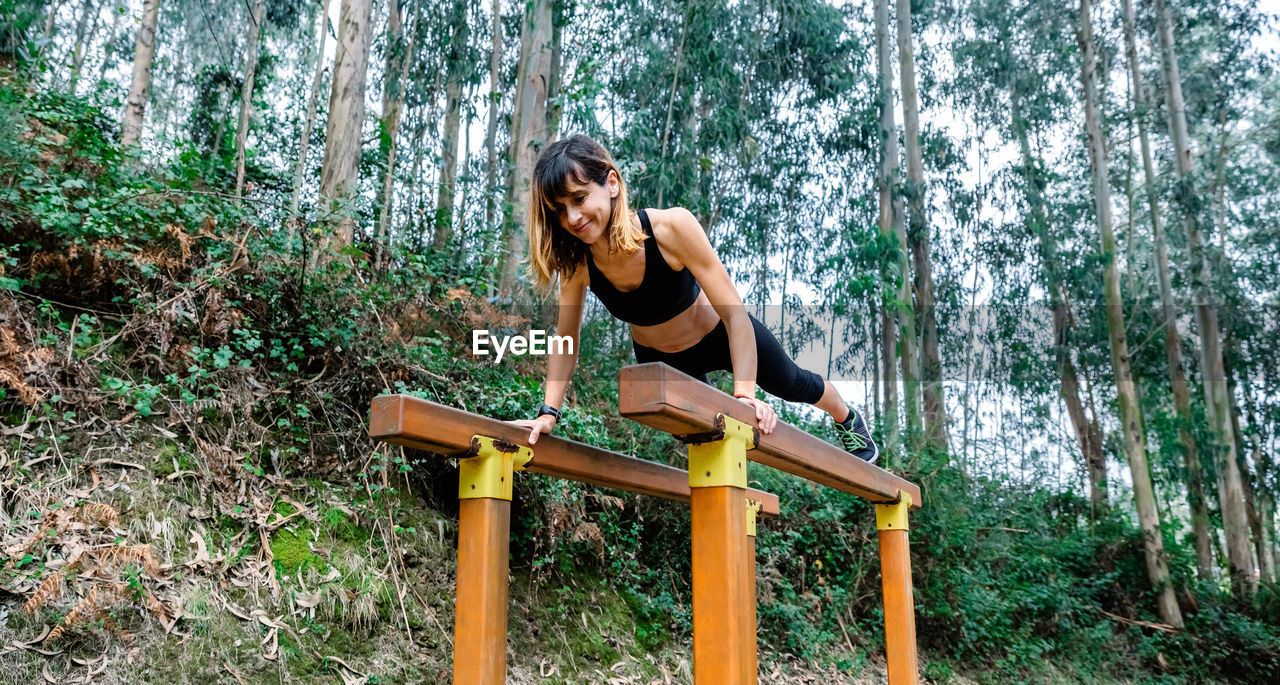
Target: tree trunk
(449,147)
(144,52)
(528,132)
(313,98)
(1088,434)
(555,80)
(930,367)
(399,56)
(1169,316)
(671,101)
(491,134)
(51,23)
(1218,402)
(895,286)
(108,50)
(1130,410)
(340,170)
(88,16)
(246,90)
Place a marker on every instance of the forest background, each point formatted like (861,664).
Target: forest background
(1039,238)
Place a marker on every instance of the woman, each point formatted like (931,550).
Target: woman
(656,270)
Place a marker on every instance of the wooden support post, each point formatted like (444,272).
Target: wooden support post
(750,656)
(484,534)
(899,602)
(718,483)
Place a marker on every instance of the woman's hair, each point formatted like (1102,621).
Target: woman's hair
(554,252)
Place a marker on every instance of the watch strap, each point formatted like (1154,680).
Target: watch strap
(548,409)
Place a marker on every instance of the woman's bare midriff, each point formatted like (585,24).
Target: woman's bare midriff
(683,331)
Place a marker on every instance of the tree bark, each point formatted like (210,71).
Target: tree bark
(399,56)
(895,311)
(918,235)
(88,16)
(108,50)
(1169,316)
(555,79)
(340,171)
(1230,482)
(313,99)
(1088,434)
(491,134)
(144,52)
(1130,409)
(246,90)
(528,132)
(449,146)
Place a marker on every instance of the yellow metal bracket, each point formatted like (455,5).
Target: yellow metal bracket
(753,512)
(723,461)
(894,516)
(491,471)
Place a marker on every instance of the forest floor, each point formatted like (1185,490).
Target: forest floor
(341,596)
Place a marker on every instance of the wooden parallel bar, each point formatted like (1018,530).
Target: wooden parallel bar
(426,425)
(659,396)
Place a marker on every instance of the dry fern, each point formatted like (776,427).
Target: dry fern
(124,555)
(96,512)
(94,606)
(50,589)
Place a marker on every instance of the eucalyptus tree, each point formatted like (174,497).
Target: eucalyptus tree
(118,12)
(143,53)
(1168,310)
(528,130)
(896,311)
(491,127)
(399,55)
(1014,46)
(308,122)
(246,88)
(918,237)
(457,66)
(1131,418)
(1213,371)
(86,29)
(339,173)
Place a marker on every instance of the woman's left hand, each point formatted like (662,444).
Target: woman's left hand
(765,415)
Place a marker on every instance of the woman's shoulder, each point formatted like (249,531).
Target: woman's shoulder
(672,225)
(677,232)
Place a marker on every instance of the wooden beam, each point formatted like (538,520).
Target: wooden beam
(426,425)
(658,395)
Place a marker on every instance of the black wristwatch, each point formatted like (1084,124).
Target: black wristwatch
(548,409)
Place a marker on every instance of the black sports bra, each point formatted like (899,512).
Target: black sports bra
(663,293)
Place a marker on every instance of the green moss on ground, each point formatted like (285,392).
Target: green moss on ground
(291,552)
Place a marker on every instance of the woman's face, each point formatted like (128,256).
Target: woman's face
(586,210)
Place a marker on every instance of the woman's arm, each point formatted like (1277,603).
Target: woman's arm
(560,365)
(573,293)
(695,251)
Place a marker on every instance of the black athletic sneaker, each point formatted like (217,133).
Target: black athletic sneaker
(855,438)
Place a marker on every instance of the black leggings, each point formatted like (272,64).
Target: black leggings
(775,370)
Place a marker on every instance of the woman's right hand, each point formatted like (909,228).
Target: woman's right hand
(542,424)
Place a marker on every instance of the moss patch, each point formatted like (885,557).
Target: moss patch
(342,527)
(168,455)
(291,551)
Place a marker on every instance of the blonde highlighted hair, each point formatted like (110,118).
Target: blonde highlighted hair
(554,253)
